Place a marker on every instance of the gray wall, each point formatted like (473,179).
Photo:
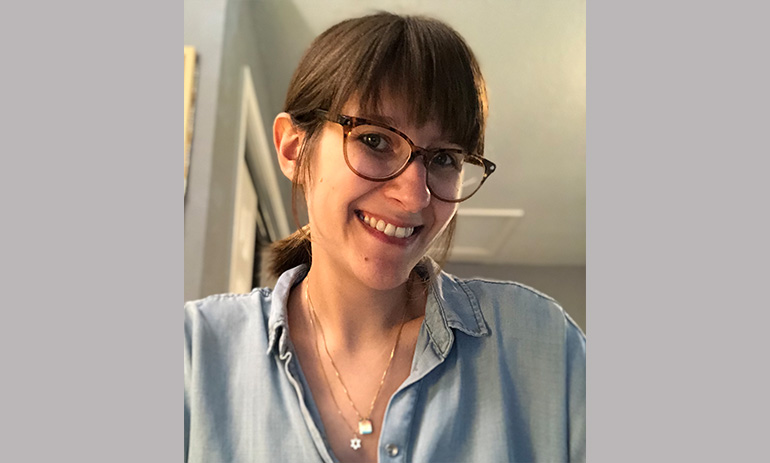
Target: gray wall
(203,29)
(565,284)
(227,37)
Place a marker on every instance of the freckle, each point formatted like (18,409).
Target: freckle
(366,259)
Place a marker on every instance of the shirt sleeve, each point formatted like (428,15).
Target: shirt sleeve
(187,373)
(576,390)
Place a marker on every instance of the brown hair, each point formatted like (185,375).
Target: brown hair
(422,61)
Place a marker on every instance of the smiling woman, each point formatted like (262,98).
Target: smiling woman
(365,350)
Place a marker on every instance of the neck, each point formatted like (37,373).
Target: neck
(355,317)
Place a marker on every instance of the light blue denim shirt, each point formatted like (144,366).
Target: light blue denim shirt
(498,375)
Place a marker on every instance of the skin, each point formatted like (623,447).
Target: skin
(358,279)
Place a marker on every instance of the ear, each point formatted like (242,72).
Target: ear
(288,140)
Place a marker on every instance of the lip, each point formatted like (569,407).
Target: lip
(385,238)
(397,223)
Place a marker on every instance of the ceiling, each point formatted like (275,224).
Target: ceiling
(533,56)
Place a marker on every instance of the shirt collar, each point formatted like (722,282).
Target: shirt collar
(277,322)
(451,305)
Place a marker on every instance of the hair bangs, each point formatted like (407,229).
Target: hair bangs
(426,67)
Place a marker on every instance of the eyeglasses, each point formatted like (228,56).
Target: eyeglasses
(379,153)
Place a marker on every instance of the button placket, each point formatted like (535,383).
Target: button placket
(291,366)
(394,439)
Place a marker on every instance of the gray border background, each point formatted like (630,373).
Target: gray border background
(91,244)
(677,198)
(677,191)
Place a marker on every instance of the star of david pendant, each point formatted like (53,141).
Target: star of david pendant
(355,443)
(364,427)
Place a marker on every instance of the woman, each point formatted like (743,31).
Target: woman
(365,350)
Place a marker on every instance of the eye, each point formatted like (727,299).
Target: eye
(374,141)
(447,159)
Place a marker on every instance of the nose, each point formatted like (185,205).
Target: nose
(410,188)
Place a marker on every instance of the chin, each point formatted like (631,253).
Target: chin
(384,275)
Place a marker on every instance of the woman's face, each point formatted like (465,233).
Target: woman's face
(343,207)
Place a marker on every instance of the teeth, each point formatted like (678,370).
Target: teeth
(388,228)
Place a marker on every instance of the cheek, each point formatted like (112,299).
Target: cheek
(323,193)
(444,212)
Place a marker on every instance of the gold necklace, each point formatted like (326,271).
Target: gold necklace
(364,424)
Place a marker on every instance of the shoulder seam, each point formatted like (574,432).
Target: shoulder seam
(227,296)
(512,283)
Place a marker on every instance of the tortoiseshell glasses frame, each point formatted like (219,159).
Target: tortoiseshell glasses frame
(349,123)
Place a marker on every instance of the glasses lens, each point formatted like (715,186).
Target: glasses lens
(455,176)
(376,152)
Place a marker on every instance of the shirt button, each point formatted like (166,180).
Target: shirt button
(392,449)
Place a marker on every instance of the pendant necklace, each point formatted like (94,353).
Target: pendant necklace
(364,423)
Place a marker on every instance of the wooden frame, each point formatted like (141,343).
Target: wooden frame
(189,105)
(259,209)
(260,158)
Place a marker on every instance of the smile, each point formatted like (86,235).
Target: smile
(387,228)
